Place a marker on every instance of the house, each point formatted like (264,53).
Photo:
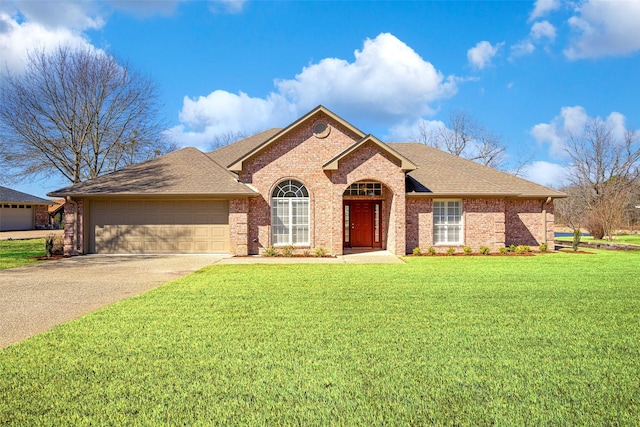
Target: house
(56,212)
(319,182)
(22,211)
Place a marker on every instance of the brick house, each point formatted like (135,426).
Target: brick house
(22,211)
(319,182)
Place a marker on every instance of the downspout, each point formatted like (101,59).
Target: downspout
(75,224)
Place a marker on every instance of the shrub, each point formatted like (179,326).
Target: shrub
(417,251)
(288,251)
(544,247)
(306,252)
(504,250)
(512,248)
(451,250)
(521,249)
(431,250)
(270,251)
(320,252)
(484,250)
(467,250)
(54,245)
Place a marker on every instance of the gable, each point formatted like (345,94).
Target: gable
(310,126)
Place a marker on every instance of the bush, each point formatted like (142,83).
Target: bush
(521,249)
(320,252)
(544,247)
(306,252)
(451,250)
(417,251)
(467,250)
(504,250)
(431,250)
(288,251)
(270,251)
(512,248)
(484,250)
(54,245)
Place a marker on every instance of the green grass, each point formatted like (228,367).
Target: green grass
(16,253)
(630,239)
(552,339)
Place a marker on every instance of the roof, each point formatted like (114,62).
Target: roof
(8,195)
(186,172)
(57,205)
(237,165)
(442,174)
(228,154)
(405,164)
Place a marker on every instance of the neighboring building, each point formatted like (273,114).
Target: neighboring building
(319,182)
(21,211)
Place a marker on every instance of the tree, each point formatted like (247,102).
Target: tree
(77,112)
(226,138)
(465,137)
(606,171)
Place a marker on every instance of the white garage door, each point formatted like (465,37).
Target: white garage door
(159,227)
(16,217)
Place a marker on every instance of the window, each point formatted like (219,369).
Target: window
(447,222)
(364,189)
(290,214)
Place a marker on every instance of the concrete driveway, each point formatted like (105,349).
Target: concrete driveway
(37,297)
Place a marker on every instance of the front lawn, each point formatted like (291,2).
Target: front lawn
(16,253)
(629,239)
(550,339)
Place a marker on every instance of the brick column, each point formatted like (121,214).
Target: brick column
(239,226)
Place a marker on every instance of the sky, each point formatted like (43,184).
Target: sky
(531,71)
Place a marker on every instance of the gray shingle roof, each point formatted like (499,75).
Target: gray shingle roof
(7,195)
(442,174)
(183,172)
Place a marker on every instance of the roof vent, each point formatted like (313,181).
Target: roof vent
(321,129)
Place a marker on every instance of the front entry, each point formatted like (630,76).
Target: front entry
(362,223)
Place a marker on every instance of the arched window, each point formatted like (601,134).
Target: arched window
(290,213)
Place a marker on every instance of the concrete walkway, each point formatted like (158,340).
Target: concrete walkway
(40,296)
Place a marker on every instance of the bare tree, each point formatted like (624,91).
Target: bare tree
(77,112)
(607,172)
(226,138)
(465,137)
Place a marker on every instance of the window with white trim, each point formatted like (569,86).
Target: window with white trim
(290,213)
(447,222)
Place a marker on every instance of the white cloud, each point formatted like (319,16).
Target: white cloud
(387,78)
(605,28)
(75,15)
(481,54)
(145,8)
(386,81)
(525,47)
(17,39)
(545,173)
(227,6)
(412,130)
(221,112)
(543,7)
(542,30)
(571,122)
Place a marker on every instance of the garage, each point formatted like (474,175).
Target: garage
(16,217)
(159,226)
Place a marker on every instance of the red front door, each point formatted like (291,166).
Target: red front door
(361,223)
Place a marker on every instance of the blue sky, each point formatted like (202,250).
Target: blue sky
(532,72)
